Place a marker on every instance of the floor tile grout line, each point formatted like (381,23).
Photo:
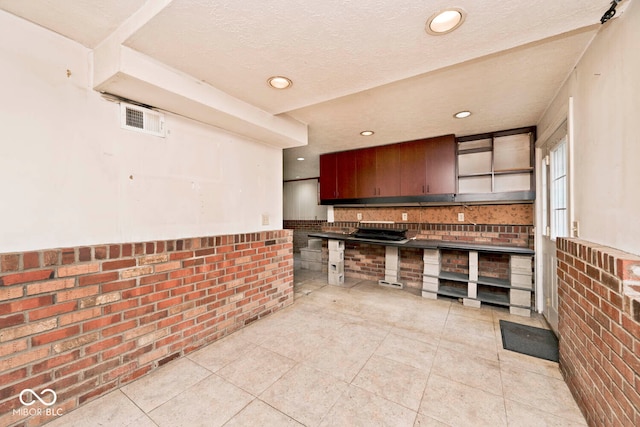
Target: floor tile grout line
(242,409)
(430,373)
(384,398)
(502,386)
(283,413)
(136,405)
(159,369)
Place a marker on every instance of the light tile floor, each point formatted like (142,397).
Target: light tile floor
(355,355)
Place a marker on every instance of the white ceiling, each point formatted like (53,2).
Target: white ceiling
(355,65)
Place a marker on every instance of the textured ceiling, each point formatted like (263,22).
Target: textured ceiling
(85,21)
(355,65)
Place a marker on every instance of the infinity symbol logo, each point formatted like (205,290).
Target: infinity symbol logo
(34,394)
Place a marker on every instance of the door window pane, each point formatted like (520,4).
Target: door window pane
(558,193)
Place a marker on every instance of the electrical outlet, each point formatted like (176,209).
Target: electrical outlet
(265,219)
(359,216)
(404,216)
(460,216)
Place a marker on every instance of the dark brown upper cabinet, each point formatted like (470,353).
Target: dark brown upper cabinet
(390,173)
(328,179)
(427,166)
(441,165)
(377,171)
(337,180)
(345,180)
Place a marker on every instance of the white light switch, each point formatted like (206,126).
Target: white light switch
(461,216)
(265,219)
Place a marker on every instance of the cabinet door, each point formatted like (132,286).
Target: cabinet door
(346,175)
(328,176)
(388,170)
(413,168)
(441,165)
(366,184)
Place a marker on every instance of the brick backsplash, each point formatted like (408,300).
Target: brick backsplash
(83,321)
(599,330)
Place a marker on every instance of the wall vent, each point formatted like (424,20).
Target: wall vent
(141,119)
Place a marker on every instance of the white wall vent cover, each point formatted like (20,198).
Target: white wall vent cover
(141,119)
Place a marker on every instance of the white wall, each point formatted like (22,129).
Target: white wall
(301,201)
(71,176)
(605,87)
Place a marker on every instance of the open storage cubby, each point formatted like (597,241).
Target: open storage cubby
(453,289)
(493,295)
(493,265)
(455,262)
(480,275)
(499,164)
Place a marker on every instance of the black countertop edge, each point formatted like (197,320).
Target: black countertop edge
(428,244)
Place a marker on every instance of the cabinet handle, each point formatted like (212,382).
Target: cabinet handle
(427,188)
(423,189)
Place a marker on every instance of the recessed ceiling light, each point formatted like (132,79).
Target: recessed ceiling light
(445,21)
(367,133)
(300,158)
(279,82)
(462,114)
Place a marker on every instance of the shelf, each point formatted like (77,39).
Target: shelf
(483,296)
(482,280)
(496,163)
(475,175)
(454,277)
(452,291)
(494,281)
(474,150)
(493,298)
(472,286)
(512,171)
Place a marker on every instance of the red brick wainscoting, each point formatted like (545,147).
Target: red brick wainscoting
(599,329)
(83,321)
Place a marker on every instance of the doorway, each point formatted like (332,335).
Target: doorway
(553,215)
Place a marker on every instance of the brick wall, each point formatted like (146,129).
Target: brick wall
(503,235)
(83,321)
(301,230)
(362,261)
(599,330)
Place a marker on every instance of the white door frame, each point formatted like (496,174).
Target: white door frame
(543,146)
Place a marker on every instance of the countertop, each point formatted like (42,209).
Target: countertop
(427,244)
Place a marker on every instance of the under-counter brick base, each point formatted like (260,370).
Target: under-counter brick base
(599,330)
(83,321)
(367,261)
